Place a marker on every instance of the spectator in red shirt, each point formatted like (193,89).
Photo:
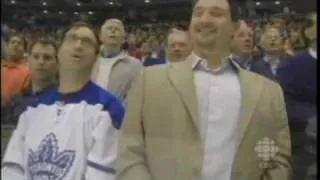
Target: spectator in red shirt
(15,72)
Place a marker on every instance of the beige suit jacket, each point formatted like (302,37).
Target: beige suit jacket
(160,138)
(123,74)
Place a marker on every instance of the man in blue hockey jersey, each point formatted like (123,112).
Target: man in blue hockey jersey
(70,132)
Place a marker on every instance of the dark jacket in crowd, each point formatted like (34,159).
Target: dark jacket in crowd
(12,111)
(298,78)
(243,63)
(311,148)
(153,61)
(262,67)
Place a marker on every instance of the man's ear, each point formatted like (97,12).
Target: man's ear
(307,33)
(100,37)
(124,36)
(236,25)
(261,42)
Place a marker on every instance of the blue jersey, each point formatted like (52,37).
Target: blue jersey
(66,137)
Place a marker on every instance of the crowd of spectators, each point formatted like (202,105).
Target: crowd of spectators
(152,37)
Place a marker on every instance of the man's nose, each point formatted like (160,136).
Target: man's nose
(14,45)
(41,61)
(176,48)
(78,44)
(205,18)
(247,38)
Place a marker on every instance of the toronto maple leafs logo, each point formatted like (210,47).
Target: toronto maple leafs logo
(47,163)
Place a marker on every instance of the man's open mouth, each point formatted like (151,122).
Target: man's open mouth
(76,56)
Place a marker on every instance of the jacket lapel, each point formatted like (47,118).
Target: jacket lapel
(95,69)
(251,89)
(181,76)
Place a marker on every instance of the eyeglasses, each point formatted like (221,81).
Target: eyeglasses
(86,41)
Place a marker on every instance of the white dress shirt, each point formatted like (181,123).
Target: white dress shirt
(313,53)
(219,96)
(105,68)
(274,65)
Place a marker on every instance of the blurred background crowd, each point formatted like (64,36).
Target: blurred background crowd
(151,37)
(146,22)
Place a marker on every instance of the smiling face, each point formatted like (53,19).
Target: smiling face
(78,50)
(211,24)
(112,33)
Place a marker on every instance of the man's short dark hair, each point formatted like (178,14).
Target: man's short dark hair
(232,6)
(79,25)
(22,38)
(173,29)
(179,27)
(45,42)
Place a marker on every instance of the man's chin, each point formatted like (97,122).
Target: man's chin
(42,79)
(205,44)
(176,59)
(111,43)
(273,49)
(14,57)
(245,52)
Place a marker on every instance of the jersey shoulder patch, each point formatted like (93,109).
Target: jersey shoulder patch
(109,103)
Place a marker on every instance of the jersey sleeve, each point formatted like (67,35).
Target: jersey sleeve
(103,152)
(13,164)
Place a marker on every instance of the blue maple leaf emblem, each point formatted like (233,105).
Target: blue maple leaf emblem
(47,163)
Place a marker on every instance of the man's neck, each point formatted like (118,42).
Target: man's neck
(243,57)
(13,59)
(273,57)
(313,46)
(38,86)
(214,57)
(110,50)
(70,82)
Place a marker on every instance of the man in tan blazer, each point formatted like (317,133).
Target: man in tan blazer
(205,118)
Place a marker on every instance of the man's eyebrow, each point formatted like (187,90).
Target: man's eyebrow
(217,8)
(198,8)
